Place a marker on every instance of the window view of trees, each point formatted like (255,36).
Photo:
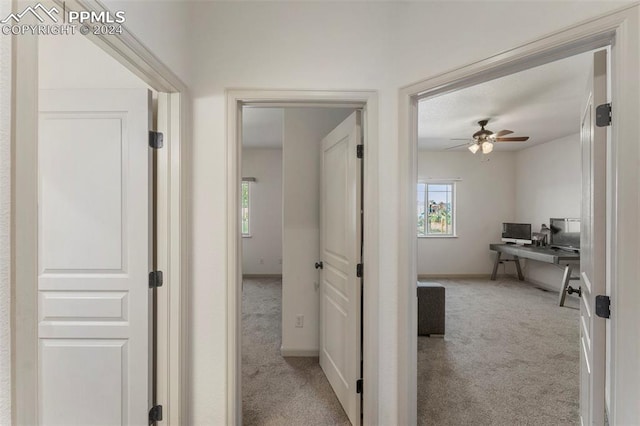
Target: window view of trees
(245,208)
(435,209)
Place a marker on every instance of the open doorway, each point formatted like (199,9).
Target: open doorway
(363,386)
(289,362)
(513,187)
(621,149)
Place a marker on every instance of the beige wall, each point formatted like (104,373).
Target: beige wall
(485,197)
(548,185)
(262,252)
(527,186)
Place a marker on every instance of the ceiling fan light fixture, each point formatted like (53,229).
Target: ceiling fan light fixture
(474,148)
(487,147)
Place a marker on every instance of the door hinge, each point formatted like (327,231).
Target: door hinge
(359,270)
(359,386)
(156,139)
(360,151)
(603,115)
(155,414)
(155,279)
(603,306)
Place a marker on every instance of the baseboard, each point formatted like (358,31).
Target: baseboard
(255,276)
(313,353)
(543,285)
(540,284)
(453,276)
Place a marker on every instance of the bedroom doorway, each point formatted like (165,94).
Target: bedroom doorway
(475,197)
(463,214)
(238,100)
(579,39)
(290,351)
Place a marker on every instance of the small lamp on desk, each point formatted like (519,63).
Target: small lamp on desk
(546,231)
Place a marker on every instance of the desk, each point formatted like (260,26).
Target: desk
(540,254)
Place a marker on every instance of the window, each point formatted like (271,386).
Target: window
(246,194)
(436,209)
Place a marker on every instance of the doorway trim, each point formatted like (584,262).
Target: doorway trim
(619,29)
(236,99)
(172,209)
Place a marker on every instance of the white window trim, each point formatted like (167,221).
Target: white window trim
(454,206)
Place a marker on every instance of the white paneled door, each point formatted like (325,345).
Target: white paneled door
(593,141)
(94,257)
(340,248)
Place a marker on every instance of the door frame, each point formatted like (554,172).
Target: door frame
(368,101)
(620,30)
(172,195)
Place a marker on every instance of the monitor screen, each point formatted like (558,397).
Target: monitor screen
(516,231)
(565,232)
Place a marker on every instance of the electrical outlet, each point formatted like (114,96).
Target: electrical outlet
(299,321)
(280,261)
(261,261)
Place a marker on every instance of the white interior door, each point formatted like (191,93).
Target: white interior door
(340,249)
(592,259)
(94,257)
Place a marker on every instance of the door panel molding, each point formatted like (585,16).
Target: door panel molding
(593,150)
(173,210)
(340,251)
(95,232)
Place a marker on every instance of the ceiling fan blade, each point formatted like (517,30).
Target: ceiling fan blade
(457,146)
(514,139)
(503,133)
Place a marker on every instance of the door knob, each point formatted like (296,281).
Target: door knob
(572,290)
(319,265)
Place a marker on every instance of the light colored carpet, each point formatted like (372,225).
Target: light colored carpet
(510,356)
(278,390)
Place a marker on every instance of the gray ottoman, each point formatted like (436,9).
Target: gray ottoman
(430,308)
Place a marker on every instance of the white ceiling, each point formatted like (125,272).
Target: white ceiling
(262,127)
(543,103)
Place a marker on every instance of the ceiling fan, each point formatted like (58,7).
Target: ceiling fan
(484,139)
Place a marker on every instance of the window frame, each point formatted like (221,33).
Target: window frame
(248,233)
(454,207)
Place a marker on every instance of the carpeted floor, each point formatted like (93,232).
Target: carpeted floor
(278,390)
(509,357)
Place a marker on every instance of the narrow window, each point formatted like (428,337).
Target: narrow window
(246,196)
(436,209)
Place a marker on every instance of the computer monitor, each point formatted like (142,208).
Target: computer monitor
(565,233)
(518,233)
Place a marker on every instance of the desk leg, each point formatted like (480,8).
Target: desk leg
(566,278)
(495,266)
(517,262)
